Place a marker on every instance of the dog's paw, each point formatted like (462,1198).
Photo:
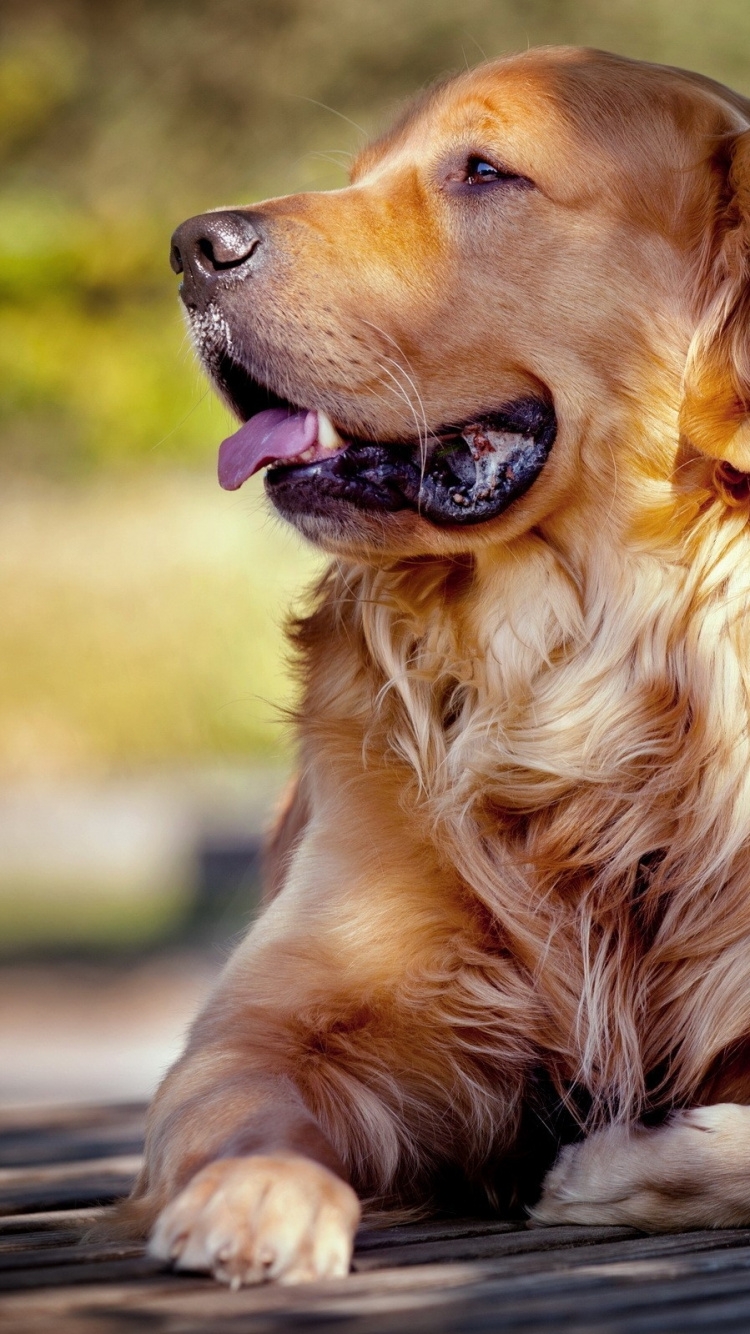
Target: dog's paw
(692,1172)
(248,1220)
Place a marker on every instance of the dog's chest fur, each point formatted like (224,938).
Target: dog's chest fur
(580,757)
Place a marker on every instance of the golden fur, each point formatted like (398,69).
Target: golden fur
(518,855)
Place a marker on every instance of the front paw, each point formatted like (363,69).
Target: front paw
(248,1220)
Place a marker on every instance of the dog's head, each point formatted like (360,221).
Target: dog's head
(544,259)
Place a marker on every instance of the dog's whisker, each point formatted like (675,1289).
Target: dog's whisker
(400,391)
(399,364)
(422,424)
(324,107)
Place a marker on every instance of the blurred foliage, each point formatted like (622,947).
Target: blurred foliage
(141,626)
(119,119)
(73,918)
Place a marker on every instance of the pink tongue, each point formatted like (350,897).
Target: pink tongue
(265,438)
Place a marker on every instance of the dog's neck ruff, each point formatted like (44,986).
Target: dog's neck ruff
(583,760)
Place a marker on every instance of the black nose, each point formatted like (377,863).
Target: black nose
(204,247)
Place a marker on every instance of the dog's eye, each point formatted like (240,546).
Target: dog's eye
(478,171)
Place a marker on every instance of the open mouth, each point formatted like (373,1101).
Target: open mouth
(460,474)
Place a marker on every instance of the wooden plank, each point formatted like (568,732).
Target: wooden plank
(33,1148)
(588,1249)
(438,1276)
(587,1302)
(452,1299)
(57,1135)
(67,1185)
(71,1253)
(40,1221)
(74,1194)
(186,1297)
(433,1230)
(38,1232)
(479,1246)
(17,1243)
(97,1270)
(28,1176)
(574,1301)
(15,1264)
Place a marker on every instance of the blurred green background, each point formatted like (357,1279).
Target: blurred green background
(140,636)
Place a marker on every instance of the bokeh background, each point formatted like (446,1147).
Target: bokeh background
(142,669)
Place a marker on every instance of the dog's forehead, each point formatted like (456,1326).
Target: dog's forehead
(495,105)
(559,112)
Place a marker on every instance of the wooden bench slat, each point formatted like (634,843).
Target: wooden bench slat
(453,1299)
(41,1221)
(75,1134)
(48,1148)
(87,1271)
(77,1193)
(436,1276)
(66,1185)
(29,1175)
(433,1230)
(480,1247)
(68,1253)
(19,1243)
(624,1242)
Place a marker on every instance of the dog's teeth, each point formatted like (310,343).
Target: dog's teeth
(328,437)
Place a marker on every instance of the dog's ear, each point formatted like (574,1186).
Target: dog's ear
(715,410)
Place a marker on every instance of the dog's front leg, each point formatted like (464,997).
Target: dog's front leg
(271,1202)
(239,1179)
(292,1074)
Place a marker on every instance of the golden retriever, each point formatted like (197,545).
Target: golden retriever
(504,379)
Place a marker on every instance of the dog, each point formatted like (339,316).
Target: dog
(503,378)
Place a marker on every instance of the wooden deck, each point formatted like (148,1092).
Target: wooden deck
(456,1277)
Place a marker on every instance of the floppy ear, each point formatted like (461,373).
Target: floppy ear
(715,411)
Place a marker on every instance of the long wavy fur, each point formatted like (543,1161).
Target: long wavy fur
(585,767)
